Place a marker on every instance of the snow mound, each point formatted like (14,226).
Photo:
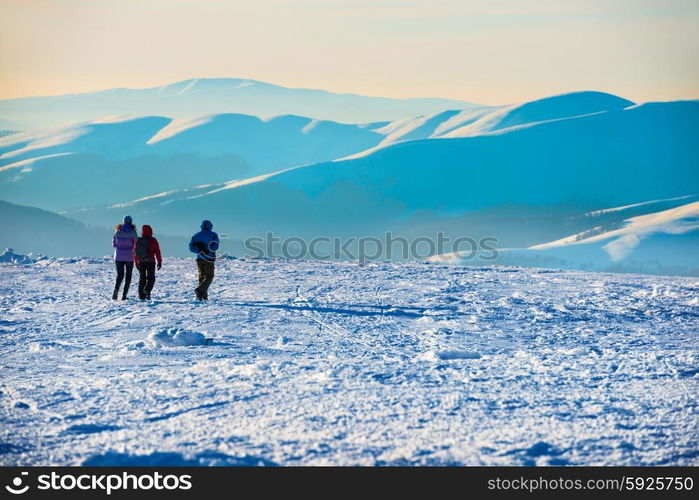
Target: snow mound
(9,256)
(176,337)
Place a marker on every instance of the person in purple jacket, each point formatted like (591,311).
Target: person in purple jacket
(123,242)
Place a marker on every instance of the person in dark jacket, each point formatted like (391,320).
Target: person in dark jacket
(146,252)
(123,241)
(204,244)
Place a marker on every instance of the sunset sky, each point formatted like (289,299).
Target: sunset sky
(484,51)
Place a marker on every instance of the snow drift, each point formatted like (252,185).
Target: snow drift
(176,337)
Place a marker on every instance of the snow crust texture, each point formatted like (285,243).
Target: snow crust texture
(319,363)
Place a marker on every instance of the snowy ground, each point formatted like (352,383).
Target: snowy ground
(319,363)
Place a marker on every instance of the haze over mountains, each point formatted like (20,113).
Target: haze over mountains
(120,160)
(660,236)
(30,229)
(168,154)
(201,96)
(540,176)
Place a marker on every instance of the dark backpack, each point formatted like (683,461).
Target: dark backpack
(142,248)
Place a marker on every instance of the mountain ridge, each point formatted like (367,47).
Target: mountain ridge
(207,96)
(550,163)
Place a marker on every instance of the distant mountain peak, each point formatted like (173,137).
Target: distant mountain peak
(204,96)
(209,84)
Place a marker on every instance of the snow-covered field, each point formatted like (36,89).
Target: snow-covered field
(335,363)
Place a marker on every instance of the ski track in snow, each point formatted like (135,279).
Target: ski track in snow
(335,363)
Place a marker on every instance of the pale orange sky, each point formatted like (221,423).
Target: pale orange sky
(485,51)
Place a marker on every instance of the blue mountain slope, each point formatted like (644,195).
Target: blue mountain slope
(607,159)
(91,163)
(478,121)
(99,162)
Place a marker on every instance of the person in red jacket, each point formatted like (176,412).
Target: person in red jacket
(146,252)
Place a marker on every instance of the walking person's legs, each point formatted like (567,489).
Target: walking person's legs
(150,279)
(202,278)
(120,277)
(206,276)
(127,280)
(141,280)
